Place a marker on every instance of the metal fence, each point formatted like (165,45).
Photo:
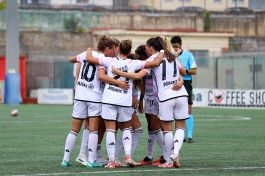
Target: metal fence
(230,72)
(51,74)
(235,72)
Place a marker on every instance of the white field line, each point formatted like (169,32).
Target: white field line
(221,117)
(201,118)
(147,171)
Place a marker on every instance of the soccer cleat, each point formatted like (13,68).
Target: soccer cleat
(166,165)
(159,161)
(118,163)
(184,140)
(65,164)
(93,164)
(175,160)
(81,161)
(146,161)
(111,165)
(189,140)
(101,160)
(128,159)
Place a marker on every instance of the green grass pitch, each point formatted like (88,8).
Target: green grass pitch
(227,142)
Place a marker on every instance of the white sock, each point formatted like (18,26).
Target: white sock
(151,144)
(127,141)
(160,140)
(168,135)
(135,138)
(92,146)
(110,144)
(119,147)
(69,144)
(83,148)
(98,150)
(178,140)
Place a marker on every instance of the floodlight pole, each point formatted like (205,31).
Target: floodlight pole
(12,37)
(12,78)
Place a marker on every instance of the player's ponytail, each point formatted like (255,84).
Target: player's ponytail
(158,44)
(170,57)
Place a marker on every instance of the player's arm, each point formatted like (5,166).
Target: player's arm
(182,71)
(91,59)
(105,78)
(156,62)
(77,71)
(192,71)
(73,59)
(130,75)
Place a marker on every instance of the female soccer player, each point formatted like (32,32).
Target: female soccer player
(117,102)
(87,104)
(173,105)
(137,129)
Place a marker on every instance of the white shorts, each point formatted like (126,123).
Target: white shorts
(151,105)
(83,110)
(174,109)
(117,113)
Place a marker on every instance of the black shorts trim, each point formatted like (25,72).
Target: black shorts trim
(182,119)
(98,116)
(88,101)
(110,120)
(173,98)
(79,118)
(117,105)
(166,121)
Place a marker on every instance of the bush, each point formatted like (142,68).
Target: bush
(3,5)
(73,24)
(207,22)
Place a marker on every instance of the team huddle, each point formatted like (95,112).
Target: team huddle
(107,85)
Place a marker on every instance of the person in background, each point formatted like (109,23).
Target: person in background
(188,61)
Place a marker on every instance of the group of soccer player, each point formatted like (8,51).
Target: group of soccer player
(108,80)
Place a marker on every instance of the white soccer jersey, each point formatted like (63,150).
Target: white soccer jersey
(112,94)
(88,86)
(166,74)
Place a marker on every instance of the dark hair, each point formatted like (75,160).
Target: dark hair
(176,39)
(104,42)
(141,52)
(125,47)
(158,44)
(116,42)
(133,56)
